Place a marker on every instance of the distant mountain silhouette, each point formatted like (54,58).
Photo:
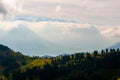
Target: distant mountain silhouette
(47,56)
(84,39)
(28,42)
(25,40)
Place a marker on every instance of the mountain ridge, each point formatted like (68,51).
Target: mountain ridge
(10,60)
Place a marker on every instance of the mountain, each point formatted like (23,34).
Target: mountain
(15,66)
(53,40)
(87,66)
(116,45)
(65,54)
(83,39)
(4,48)
(24,40)
(10,59)
(46,56)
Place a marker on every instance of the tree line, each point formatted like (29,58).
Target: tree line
(99,65)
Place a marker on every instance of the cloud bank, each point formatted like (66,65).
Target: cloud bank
(63,37)
(102,12)
(87,11)
(69,25)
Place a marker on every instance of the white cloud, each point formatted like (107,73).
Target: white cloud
(75,36)
(7,25)
(111,33)
(90,11)
(51,30)
(102,13)
(58,8)
(9,8)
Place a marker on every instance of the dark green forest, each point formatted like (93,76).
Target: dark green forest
(98,65)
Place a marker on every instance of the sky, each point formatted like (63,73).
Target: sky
(42,27)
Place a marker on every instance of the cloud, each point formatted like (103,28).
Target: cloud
(90,11)
(75,35)
(65,21)
(52,29)
(3,10)
(67,37)
(110,32)
(58,8)
(9,8)
(9,25)
(84,11)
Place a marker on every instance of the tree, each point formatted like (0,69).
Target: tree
(118,49)
(106,50)
(102,52)
(95,53)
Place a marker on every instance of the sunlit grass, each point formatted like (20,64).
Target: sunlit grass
(36,63)
(118,79)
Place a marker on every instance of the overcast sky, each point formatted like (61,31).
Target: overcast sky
(105,12)
(64,18)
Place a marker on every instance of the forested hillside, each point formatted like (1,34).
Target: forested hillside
(99,65)
(11,60)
